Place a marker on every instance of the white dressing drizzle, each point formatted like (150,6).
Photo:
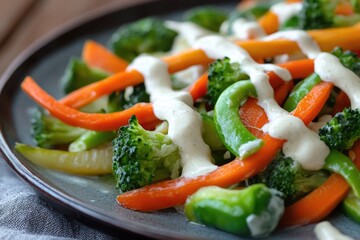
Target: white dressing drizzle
(330,69)
(305,42)
(217,47)
(299,141)
(326,231)
(285,11)
(244,29)
(185,124)
(185,130)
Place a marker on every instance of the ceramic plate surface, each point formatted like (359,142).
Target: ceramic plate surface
(92,199)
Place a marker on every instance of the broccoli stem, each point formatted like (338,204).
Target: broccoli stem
(90,139)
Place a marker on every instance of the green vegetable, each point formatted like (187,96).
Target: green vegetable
(78,74)
(129,97)
(346,21)
(141,157)
(301,90)
(349,59)
(341,164)
(254,211)
(291,23)
(237,139)
(210,134)
(222,74)
(147,35)
(90,139)
(351,207)
(287,176)
(317,14)
(207,17)
(96,161)
(342,130)
(48,131)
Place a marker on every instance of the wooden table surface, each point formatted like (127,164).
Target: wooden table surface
(25,21)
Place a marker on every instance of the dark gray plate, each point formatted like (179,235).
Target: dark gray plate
(92,199)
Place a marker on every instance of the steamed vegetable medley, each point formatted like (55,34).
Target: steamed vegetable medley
(250,119)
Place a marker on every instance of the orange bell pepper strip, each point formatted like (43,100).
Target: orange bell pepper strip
(93,121)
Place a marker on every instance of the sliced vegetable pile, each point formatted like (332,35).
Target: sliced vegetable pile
(251,119)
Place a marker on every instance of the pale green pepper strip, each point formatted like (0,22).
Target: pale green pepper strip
(97,161)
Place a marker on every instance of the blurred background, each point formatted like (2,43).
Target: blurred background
(22,22)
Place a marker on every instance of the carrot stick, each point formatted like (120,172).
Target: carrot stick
(91,92)
(174,192)
(344,8)
(253,117)
(269,22)
(93,121)
(282,92)
(199,88)
(326,38)
(96,55)
(342,101)
(317,204)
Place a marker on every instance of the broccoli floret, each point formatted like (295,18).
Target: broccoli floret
(288,177)
(141,157)
(207,17)
(147,35)
(317,14)
(349,59)
(342,130)
(79,74)
(48,131)
(222,74)
(129,97)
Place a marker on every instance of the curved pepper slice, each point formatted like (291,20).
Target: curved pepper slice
(232,132)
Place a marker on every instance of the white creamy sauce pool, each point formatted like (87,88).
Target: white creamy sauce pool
(325,231)
(185,124)
(285,11)
(217,47)
(330,69)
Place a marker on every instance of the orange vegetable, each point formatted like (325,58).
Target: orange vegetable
(326,38)
(174,192)
(344,8)
(269,22)
(94,121)
(312,208)
(342,101)
(96,55)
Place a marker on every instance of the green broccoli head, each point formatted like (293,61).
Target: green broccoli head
(207,17)
(48,131)
(317,14)
(222,74)
(141,157)
(147,35)
(78,74)
(342,130)
(349,59)
(127,98)
(287,176)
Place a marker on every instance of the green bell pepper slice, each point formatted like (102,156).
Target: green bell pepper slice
(351,207)
(232,132)
(254,211)
(301,90)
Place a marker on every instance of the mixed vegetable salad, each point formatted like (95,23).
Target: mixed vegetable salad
(250,119)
